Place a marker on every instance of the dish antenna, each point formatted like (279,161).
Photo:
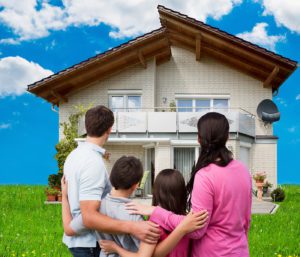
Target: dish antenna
(268,112)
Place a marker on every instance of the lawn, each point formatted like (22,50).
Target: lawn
(30,228)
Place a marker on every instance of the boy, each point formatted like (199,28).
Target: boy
(125,177)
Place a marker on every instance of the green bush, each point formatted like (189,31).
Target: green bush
(278,195)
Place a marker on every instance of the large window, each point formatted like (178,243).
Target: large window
(202,105)
(123,103)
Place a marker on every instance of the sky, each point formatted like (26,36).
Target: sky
(41,37)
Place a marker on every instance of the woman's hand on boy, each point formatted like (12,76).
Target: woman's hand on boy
(136,208)
(193,221)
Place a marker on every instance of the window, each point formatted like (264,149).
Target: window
(202,105)
(185,105)
(125,103)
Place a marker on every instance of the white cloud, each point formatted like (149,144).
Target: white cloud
(286,13)
(5,125)
(298,97)
(127,18)
(259,36)
(292,129)
(16,73)
(281,101)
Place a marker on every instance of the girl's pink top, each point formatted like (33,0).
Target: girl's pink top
(225,192)
(181,249)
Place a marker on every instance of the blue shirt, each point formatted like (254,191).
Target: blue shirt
(88,179)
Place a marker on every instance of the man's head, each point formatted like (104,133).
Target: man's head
(126,173)
(98,121)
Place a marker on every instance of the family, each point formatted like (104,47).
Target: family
(208,217)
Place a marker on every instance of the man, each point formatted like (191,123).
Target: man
(88,184)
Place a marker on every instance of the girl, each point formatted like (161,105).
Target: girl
(169,192)
(220,185)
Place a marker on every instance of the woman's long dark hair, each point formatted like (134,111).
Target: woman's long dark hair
(213,132)
(169,191)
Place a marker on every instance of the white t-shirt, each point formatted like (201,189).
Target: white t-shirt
(88,179)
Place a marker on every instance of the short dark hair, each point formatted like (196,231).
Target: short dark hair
(98,120)
(126,172)
(169,191)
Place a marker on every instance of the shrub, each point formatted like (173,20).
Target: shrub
(278,195)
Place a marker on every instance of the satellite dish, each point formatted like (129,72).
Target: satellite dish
(267,111)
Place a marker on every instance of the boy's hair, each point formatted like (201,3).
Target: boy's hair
(169,191)
(126,172)
(98,120)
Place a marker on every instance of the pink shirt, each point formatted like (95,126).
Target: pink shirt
(181,249)
(225,192)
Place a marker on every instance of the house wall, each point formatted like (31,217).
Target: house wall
(135,77)
(184,75)
(118,151)
(265,160)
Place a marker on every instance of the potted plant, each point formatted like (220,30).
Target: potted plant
(59,196)
(259,178)
(51,194)
(266,186)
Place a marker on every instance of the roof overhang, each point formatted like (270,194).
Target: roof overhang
(56,88)
(200,38)
(178,30)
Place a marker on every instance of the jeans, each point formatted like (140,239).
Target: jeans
(85,251)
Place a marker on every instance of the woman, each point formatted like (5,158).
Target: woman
(220,185)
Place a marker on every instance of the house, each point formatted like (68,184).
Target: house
(160,83)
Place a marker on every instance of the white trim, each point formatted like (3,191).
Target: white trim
(125,92)
(245,144)
(200,96)
(184,143)
(131,140)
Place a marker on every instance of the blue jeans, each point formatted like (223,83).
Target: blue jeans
(85,251)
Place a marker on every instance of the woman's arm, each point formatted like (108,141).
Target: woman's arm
(66,212)
(145,250)
(190,223)
(202,201)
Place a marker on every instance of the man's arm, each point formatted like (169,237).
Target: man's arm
(93,219)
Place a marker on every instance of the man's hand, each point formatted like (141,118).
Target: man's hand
(146,231)
(64,186)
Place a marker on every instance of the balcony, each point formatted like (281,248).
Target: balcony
(166,121)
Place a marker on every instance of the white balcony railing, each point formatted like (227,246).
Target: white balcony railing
(162,121)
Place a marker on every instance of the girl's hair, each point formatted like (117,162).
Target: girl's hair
(213,132)
(169,191)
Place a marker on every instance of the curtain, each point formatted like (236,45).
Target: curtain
(184,160)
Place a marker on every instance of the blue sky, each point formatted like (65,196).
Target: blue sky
(38,38)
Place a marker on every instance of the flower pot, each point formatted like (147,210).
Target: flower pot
(51,198)
(59,198)
(259,186)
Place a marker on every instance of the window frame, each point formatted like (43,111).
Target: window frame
(194,98)
(125,101)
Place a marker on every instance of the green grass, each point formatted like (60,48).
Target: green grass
(30,228)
